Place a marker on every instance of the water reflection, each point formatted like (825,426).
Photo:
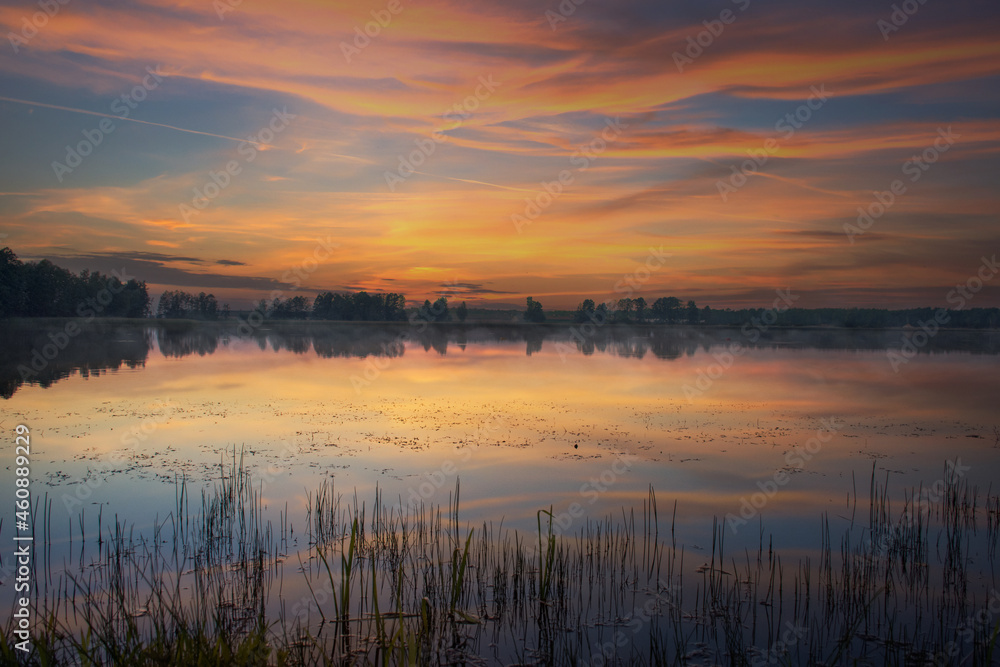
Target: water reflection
(45,352)
(524,434)
(406,413)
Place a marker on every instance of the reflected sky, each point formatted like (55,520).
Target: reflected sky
(775,441)
(523,431)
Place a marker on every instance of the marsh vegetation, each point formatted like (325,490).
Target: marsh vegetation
(386,583)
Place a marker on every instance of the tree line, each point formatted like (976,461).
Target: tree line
(358,307)
(671,310)
(361,306)
(42,289)
(176,304)
(337,306)
(668,310)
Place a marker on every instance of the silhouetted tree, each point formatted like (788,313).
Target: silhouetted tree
(42,289)
(12,288)
(461,312)
(294,308)
(534,312)
(640,309)
(379,307)
(436,312)
(440,310)
(692,313)
(623,313)
(207,306)
(584,311)
(601,313)
(666,309)
(49,290)
(181,305)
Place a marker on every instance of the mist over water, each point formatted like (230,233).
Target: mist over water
(779,437)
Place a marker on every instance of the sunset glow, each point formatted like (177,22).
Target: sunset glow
(495,151)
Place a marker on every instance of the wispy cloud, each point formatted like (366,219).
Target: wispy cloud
(655,184)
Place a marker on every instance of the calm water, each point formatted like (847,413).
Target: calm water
(787,429)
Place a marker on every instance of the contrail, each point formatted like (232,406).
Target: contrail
(131,120)
(469,180)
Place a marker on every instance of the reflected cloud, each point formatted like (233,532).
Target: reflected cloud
(106,346)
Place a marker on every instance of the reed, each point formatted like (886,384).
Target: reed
(390,584)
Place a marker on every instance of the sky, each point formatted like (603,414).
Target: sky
(716,151)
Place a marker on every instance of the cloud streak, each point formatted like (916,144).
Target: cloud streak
(655,184)
(131,120)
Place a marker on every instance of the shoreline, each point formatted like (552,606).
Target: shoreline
(274,324)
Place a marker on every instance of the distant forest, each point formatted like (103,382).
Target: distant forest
(671,310)
(42,289)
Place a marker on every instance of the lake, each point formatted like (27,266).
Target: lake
(778,443)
